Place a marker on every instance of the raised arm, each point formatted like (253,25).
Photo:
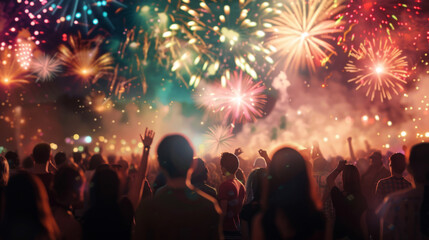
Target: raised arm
(330,180)
(137,181)
(264,155)
(352,153)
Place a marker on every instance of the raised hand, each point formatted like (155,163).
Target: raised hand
(148,137)
(238,151)
(341,165)
(263,153)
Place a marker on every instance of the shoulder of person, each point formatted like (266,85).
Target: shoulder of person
(394,199)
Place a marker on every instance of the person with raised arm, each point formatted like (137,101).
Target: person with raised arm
(177,210)
(352,153)
(350,204)
(139,179)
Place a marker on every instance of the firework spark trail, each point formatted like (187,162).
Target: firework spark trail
(84,59)
(380,67)
(301,32)
(219,138)
(242,100)
(45,67)
(11,72)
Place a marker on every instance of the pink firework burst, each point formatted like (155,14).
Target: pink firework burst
(241,100)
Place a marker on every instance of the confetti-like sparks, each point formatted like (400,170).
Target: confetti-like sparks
(23,53)
(380,67)
(86,12)
(242,100)
(303,30)
(45,67)
(219,138)
(84,59)
(229,35)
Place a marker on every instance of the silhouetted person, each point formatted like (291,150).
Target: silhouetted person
(42,157)
(68,192)
(396,181)
(291,208)
(350,204)
(27,213)
(176,211)
(405,214)
(104,218)
(376,171)
(231,196)
(199,178)
(28,164)
(77,158)
(253,199)
(60,159)
(111,159)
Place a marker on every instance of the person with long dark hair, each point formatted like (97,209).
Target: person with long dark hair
(350,204)
(27,213)
(291,207)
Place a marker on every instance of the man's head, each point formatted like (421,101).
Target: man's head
(60,158)
(376,158)
(42,153)
(229,163)
(419,162)
(397,163)
(12,159)
(175,155)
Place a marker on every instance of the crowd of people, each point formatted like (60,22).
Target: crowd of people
(288,194)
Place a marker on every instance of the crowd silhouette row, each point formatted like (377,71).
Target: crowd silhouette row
(288,194)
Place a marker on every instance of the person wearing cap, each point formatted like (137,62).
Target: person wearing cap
(396,181)
(376,171)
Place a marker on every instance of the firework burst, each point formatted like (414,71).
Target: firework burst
(303,30)
(84,12)
(11,73)
(383,18)
(45,67)
(219,138)
(380,67)
(242,100)
(84,59)
(227,35)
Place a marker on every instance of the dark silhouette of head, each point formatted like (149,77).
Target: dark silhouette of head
(288,174)
(60,158)
(26,198)
(351,180)
(104,188)
(42,153)
(254,184)
(376,158)
(95,161)
(229,163)
(28,163)
(398,163)
(13,159)
(111,158)
(68,182)
(175,155)
(4,172)
(419,162)
(200,173)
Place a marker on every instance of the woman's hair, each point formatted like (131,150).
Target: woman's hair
(26,199)
(67,180)
(291,194)
(104,188)
(351,180)
(254,185)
